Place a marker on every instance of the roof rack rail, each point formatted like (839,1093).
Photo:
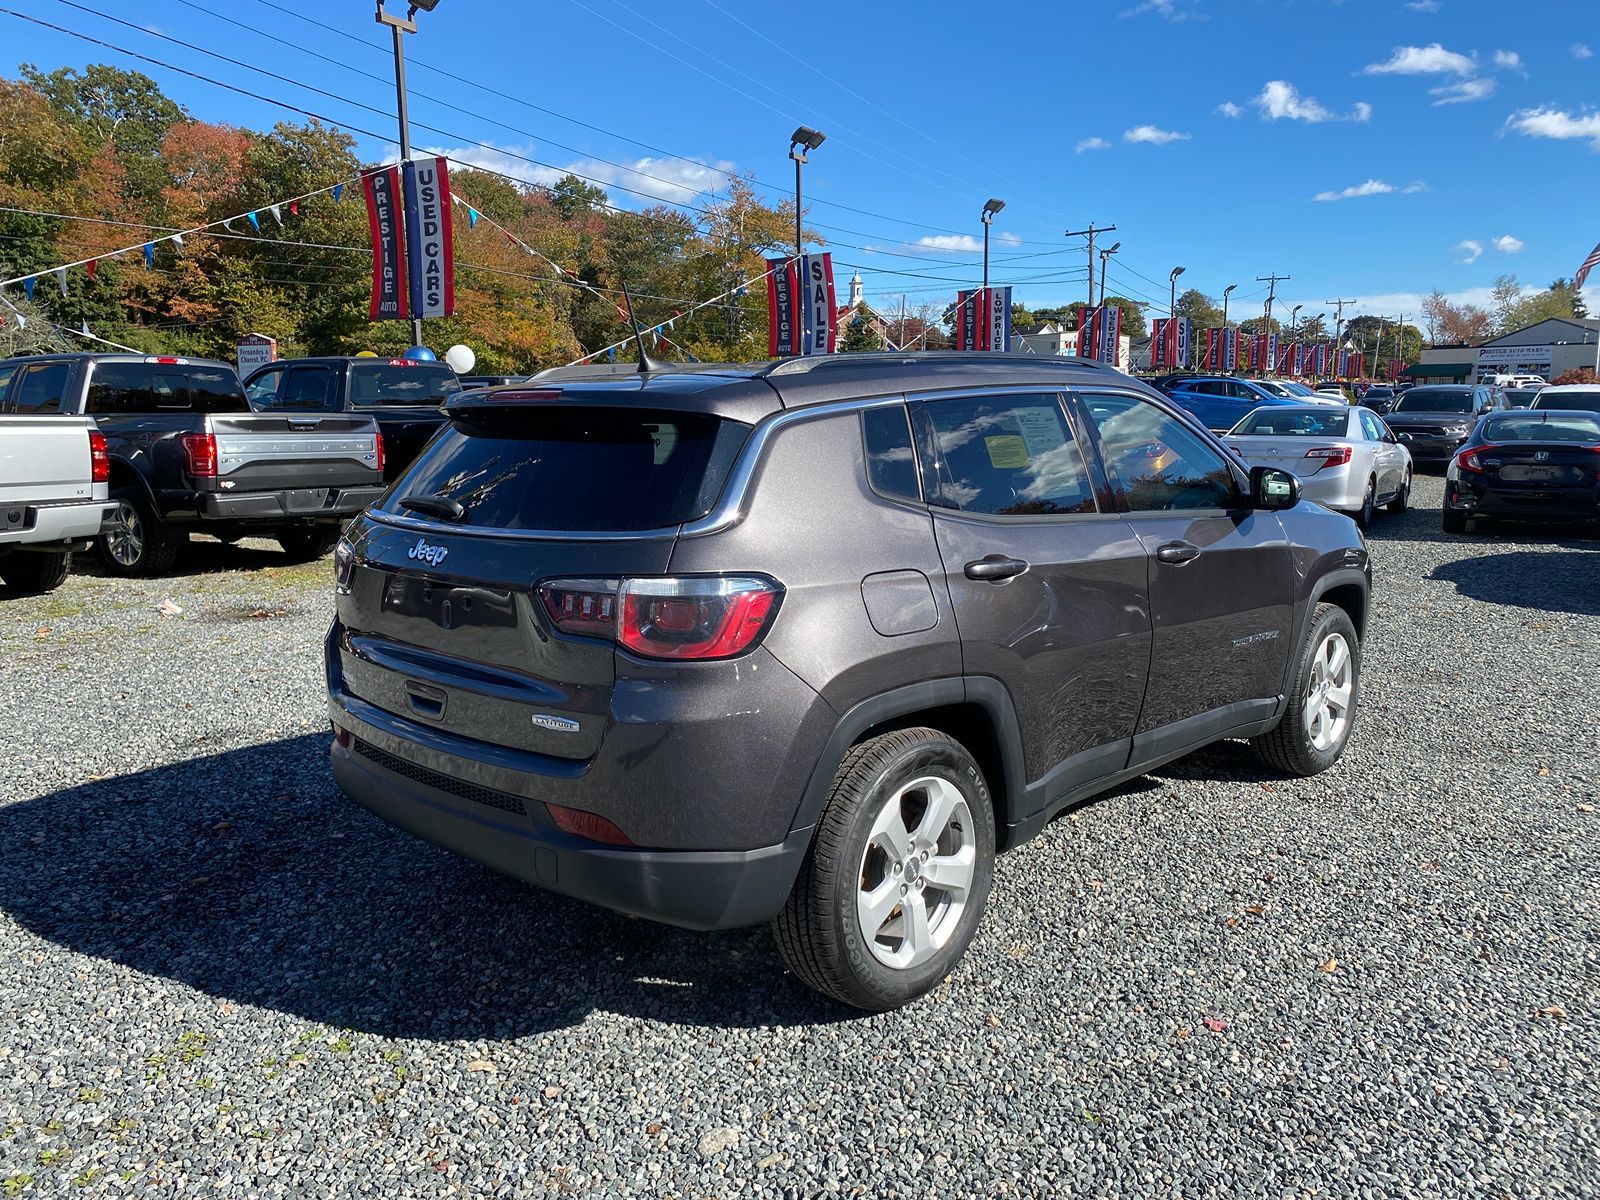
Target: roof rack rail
(892,358)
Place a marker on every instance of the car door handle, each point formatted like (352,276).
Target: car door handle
(1177,552)
(995,568)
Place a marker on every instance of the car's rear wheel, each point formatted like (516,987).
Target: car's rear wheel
(1322,700)
(895,882)
(136,541)
(1453,520)
(308,545)
(1368,503)
(1402,499)
(31,572)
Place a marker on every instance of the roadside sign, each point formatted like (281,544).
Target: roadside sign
(255,350)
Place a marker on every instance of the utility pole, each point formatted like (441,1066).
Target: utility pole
(1272,282)
(1338,318)
(1089,233)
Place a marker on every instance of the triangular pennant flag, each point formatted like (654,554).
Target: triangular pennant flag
(22,321)
(90,266)
(228,224)
(27,286)
(294,208)
(255,221)
(611,354)
(149,254)
(273,209)
(338,191)
(85,329)
(509,236)
(178,238)
(472,217)
(61,278)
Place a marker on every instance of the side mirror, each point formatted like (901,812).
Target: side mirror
(1273,489)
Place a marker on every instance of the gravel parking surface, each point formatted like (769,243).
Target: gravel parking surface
(218,979)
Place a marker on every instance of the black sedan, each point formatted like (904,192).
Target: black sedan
(1539,465)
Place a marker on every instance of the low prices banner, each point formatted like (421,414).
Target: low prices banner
(802,314)
(983,320)
(430,238)
(1169,347)
(384,221)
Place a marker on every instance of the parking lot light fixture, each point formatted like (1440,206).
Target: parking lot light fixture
(1104,255)
(990,207)
(804,139)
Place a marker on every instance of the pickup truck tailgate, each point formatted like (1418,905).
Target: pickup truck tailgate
(259,452)
(44,458)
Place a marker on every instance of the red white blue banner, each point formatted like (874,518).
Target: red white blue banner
(1169,345)
(802,316)
(783,317)
(430,238)
(1100,334)
(983,320)
(386,226)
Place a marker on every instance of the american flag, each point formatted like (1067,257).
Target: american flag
(1588,264)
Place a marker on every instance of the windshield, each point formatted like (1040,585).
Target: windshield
(1454,400)
(1587,401)
(1322,422)
(1558,427)
(1274,387)
(401,382)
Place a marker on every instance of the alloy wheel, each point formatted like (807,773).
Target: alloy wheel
(916,872)
(125,538)
(1330,690)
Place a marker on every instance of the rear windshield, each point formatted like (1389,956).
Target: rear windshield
(1326,422)
(1585,401)
(138,387)
(1563,427)
(1427,400)
(575,470)
(429,384)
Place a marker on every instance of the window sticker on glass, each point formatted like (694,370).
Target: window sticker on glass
(1007,451)
(1040,428)
(664,438)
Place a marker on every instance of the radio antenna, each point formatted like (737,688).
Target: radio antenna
(646,363)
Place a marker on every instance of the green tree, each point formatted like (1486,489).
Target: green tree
(573,196)
(1133,322)
(1202,311)
(859,334)
(1563,286)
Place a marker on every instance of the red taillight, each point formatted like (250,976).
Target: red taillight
(1329,456)
(587,825)
(99,457)
(687,618)
(377,446)
(167,361)
(1468,460)
(524,397)
(200,449)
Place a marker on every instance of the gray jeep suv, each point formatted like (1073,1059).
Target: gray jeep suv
(810,642)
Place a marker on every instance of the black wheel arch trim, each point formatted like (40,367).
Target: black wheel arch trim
(1340,577)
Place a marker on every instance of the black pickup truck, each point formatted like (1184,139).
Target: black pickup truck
(188,455)
(405,397)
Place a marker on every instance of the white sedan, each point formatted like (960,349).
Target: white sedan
(1345,458)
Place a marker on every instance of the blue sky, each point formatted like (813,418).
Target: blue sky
(1370,149)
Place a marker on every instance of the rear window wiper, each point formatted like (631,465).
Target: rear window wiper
(435,506)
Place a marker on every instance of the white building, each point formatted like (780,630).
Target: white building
(1053,338)
(1549,348)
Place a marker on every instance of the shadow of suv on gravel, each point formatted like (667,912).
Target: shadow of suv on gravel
(809,642)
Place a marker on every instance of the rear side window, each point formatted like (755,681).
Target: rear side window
(1008,456)
(39,390)
(1580,401)
(140,387)
(401,382)
(577,469)
(306,388)
(891,461)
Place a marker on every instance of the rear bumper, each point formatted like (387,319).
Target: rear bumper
(715,889)
(1429,448)
(45,524)
(288,504)
(1548,504)
(1334,488)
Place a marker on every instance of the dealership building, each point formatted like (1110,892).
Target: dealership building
(1549,348)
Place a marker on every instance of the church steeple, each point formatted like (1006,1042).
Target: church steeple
(855,290)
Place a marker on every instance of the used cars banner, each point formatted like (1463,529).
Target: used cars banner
(430,238)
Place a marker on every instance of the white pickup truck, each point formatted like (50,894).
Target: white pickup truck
(54,476)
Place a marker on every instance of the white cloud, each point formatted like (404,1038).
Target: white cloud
(1093,143)
(1463,91)
(1372,187)
(1167,10)
(1556,124)
(665,180)
(1151,135)
(947,241)
(1412,188)
(1009,239)
(1510,60)
(1229,109)
(1424,6)
(1432,59)
(1508,244)
(1581,51)
(1468,251)
(1280,100)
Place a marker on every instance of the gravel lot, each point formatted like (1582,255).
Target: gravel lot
(219,979)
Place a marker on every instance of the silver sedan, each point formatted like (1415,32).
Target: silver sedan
(1345,458)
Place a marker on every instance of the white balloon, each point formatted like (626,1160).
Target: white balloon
(461,359)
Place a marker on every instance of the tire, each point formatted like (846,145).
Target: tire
(138,543)
(1364,516)
(1317,723)
(308,545)
(1402,501)
(29,572)
(1453,521)
(884,789)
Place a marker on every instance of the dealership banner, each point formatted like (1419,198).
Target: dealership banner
(1100,334)
(1396,365)
(384,223)
(997,327)
(1169,347)
(430,238)
(783,317)
(983,320)
(802,317)
(1317,359)
(1222,349)
(966,320)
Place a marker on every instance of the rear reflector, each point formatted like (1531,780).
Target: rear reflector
(99,458)
(587,825)
(200,450)
(683,618)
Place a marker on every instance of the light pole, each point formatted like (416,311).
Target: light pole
(1104,255)
(400,26)
(1222,351)
(991,207)
(1172,319)
(1294,320)
(805,138)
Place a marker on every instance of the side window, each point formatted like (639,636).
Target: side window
(307,388)
(39,390)
(1008,456)
(1160,462)
(263,389)
(1213,387)
(891,460)
(5,380)
(1240,392)
(1376,429)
